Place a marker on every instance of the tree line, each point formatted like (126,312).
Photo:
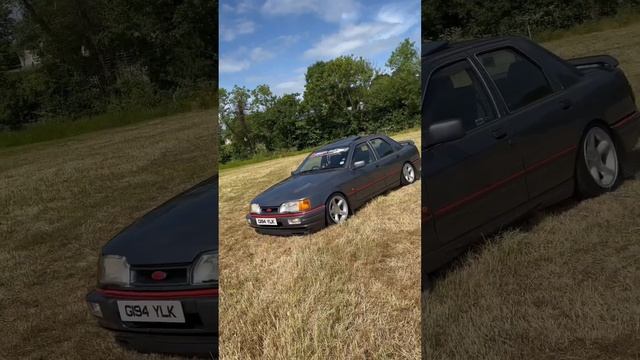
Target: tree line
(89,57)
(344,96)
(456,19)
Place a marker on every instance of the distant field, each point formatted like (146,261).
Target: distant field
(346,292)
(563,285)
(60,201)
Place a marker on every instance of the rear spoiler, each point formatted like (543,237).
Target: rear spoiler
(406,142)
(599,61)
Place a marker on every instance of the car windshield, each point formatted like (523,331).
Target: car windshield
(325,159)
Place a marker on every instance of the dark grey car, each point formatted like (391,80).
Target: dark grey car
(332,182)
(158,278)
(510,127)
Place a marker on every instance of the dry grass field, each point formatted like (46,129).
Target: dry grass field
(60,201)
(563,285)
(346,292)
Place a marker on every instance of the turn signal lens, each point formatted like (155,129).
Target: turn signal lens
(304,205)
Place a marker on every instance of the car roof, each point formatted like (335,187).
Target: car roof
(348,141)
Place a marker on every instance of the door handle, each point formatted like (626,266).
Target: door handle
(499,134)
(566,104)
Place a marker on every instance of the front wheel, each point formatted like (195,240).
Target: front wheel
(598,164)
(337,209)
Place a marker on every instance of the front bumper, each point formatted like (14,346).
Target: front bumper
(287,224)
(197,336)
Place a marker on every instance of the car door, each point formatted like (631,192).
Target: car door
(387,163)
(364,179)
(473,181)
(540,113)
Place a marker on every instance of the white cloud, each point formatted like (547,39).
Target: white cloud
(231,65)
(260,54)
(228,32)
(328,10)
(369,37)
(289,86)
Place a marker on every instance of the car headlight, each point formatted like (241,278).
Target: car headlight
(255,209)
(295,206)
(205,270)
(114,270)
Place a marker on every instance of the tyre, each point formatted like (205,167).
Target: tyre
(598,167)
(337,209)
(408,175)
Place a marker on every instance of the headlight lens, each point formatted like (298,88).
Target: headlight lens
(255,209)
(205,270)
(114,270)
(295,206)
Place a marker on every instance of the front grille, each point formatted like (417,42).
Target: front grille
(174,276)
(265,210)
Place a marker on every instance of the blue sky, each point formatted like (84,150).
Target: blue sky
(273,41)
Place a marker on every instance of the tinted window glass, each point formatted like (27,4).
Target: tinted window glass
(382,147)
(456,92)
(363,153)
(520,81)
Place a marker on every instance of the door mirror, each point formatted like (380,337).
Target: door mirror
(293,173)
(358,164)
(445,131)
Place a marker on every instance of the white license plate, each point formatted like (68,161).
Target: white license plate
(151,311)
(266,221)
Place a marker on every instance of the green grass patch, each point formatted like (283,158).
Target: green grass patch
(625,17)
(63,128)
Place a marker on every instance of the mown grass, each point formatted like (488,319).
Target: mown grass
(60,201)
(624,18)
(346,292)
(63,128)
(563,285)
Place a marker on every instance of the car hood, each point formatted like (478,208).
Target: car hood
(174,232)
(296,187)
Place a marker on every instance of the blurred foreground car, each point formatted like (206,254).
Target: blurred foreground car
(332,182)
(158,279)
(509,128)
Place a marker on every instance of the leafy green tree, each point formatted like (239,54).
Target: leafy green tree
(334,93)
(455,19)
(112,55)
(344,96)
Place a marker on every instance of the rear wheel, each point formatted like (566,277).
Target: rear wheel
(598,164)
(337,209)
(408,175)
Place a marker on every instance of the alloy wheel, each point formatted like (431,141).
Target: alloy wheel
(409,173)
(338,209)
(601,157)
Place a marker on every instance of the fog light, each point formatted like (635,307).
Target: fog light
(249,221)
(95,309)
(295,221)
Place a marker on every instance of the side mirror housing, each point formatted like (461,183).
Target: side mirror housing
(445,131)
(358,164)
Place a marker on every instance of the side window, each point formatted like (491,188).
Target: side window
(382,147)
(456,92)
(520,81)
(362,152)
